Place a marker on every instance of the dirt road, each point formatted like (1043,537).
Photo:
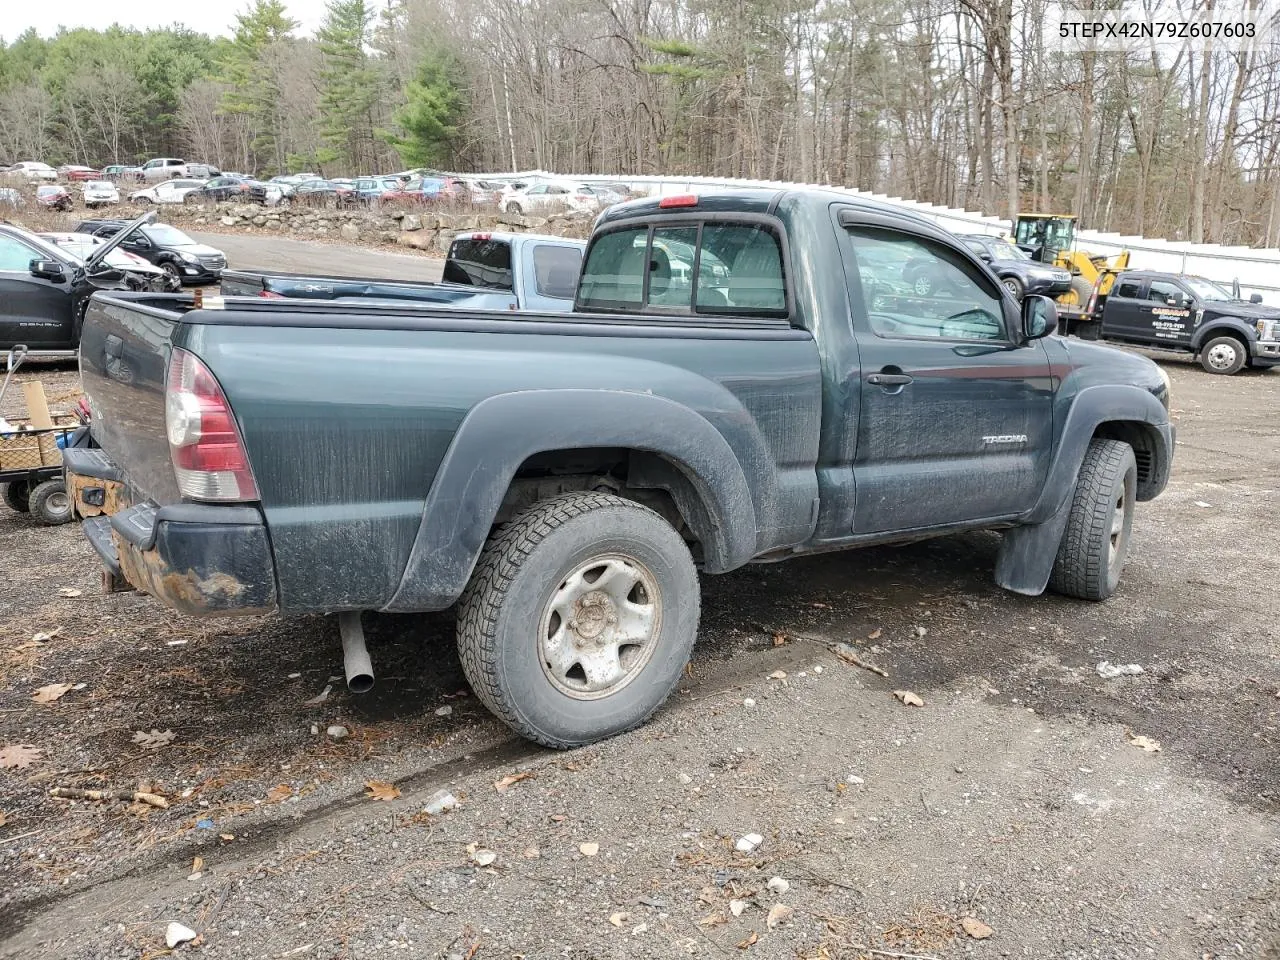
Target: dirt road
(305,256)
(1016,796)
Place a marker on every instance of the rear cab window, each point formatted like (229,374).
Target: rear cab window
(479,262)
(689,268)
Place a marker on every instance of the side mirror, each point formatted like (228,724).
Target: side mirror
(1173,301)
(1039,317)
(1255,298)
(48,270)
(984,257)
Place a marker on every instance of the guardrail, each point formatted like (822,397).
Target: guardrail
(1258,271)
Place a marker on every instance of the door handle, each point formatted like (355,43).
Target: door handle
(889,379)
(113,347)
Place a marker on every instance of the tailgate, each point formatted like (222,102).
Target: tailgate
(236,283)
(124,354)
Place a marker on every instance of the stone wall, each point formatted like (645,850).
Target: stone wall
(429,231)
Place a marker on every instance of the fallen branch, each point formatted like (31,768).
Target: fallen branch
(847,654)
(137,796)
(899,956)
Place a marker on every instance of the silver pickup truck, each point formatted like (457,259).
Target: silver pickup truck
(484,271)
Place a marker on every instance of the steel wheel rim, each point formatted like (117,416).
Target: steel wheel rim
(1222,356)
(1116,538)
(600,627)
(58,503)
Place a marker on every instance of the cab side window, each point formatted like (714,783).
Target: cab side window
(1166,293)
(16,256)
(1127,290)
(913,288)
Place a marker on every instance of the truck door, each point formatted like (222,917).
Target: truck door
(955,421)
(1167,314)
(1122,316)
(36,311)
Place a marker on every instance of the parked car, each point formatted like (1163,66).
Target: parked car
(484,271)
(551,196)
(137,273)
(293,179)
(318,193)
(55,196)
(100,193)
(202,171)
(227,187)
(167,191)
(564,478)
(32,171)
(78,174)
(167,247)
(121,173)
(427,190)
(164,168)
(366,191)
(44,290)
(1186,314)
(1015,268)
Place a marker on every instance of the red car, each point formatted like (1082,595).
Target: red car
(428,190)
(74,173)
(57,197)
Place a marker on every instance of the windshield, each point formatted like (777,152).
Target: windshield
(167,236)
(99,185)
(1003,250)
(1206,289)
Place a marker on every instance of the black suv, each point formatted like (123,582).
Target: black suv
(229,187)
(167,247)
(1017,271)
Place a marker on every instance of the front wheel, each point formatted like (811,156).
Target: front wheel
(515,208)
(50,503)
(1223,355)
(175,275)
(579,618)
(1095,543)
(1015,287)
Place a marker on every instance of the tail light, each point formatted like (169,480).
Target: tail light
(1092,303)
(209,459)
(582,196)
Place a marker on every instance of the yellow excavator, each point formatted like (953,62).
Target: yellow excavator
(1050,238)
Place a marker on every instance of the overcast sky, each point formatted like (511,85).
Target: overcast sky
(212,18)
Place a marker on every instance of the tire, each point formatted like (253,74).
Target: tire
(515,208)
(1083,290)
(923,286)
(1224,356)
(50,504)
(1095,543)
(175,275)
(1015,287)
(543,560)
(17,495)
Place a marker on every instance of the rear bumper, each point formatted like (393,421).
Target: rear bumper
(200,559)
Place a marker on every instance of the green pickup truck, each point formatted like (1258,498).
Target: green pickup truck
(724,392)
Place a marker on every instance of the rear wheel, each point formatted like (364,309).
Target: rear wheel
(579,618)
(1223,355)
(514,208)
(17,495)
(1095,543)
(50,503)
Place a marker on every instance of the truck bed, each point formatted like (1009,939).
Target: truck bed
(271,283)
(350,429)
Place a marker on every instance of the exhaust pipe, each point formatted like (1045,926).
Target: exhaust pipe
(355,656)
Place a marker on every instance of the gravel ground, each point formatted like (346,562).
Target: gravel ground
(1015,796)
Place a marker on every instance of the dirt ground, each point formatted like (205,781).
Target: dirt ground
(1015,796)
